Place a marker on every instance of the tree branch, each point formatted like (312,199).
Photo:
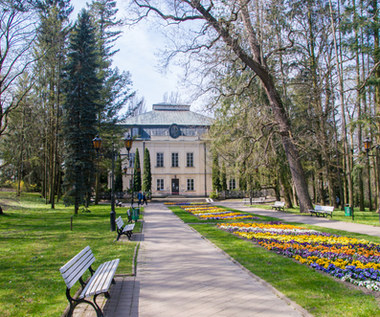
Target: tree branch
(146,5)
(369,75)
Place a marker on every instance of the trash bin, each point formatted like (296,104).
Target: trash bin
(135,214)
(348,210)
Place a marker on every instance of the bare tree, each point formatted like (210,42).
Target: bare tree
(17,36)
(217,20)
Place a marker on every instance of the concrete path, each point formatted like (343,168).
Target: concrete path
(307,219)
(180,274)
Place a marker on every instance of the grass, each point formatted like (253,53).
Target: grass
(364,217)
(318,293)
(35,241)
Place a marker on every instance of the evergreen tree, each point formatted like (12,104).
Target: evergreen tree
(223,178)
(118,177)
(137,173)
(147,177)
(116,85)
(116,88)
(81,86)
(215,174)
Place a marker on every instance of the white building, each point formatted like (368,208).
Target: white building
(178,148)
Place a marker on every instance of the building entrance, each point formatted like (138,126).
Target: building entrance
(175,186)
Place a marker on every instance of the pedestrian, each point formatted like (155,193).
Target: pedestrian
(144,199)
(139,198)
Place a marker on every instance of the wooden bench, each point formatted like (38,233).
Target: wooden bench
(99,283)
(260,200)
(322,211)
(124,229)
(279,205)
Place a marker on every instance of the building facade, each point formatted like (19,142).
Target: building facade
(179,150)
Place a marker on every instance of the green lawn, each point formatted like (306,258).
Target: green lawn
(364,217)
(318,293)
(35,241)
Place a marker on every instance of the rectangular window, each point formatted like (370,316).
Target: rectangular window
(190,184)
(131,160)
(160,184)
(189,160)
(232,184)
(160,160)
(174,159)
(135,132)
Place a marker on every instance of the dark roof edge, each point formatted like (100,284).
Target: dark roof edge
(170,107)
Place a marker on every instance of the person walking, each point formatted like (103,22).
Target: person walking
(140,198)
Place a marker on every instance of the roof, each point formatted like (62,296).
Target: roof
(168,114)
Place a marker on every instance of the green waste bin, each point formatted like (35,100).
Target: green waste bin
(348,210)
(135,214)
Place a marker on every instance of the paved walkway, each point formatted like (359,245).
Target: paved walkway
(180,274)
(307,219)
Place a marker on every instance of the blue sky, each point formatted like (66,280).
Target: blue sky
(138,47)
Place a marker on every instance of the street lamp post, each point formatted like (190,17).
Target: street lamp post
(368,146)
(97,143)
(128,145)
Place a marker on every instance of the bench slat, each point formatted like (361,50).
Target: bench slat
(77,266)
(101,280)
(74,259)
(322,210)
(129,227)
(119,222)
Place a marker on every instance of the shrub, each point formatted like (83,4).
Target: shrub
(214,195)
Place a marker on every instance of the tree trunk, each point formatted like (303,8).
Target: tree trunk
(346,147)
(275,103)
(21,156)
(291,151)
(377,94)
(286,187)
(97,185)
(277,189)
(358,106)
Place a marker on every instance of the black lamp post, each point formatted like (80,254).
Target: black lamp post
(97,142)
(128,145)
(367,144)
(367,147)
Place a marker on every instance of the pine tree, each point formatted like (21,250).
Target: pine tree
(223,178)
(118,177)
(116,85)
(215,174)
(147,177)
(137,173)
(116,88)
(81,86)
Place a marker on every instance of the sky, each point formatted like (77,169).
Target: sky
(138,48)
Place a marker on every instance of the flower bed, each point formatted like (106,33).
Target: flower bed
(353,260)
(215,213)
(182,203)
